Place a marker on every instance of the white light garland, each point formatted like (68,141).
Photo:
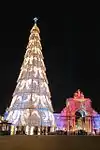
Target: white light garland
(31,105)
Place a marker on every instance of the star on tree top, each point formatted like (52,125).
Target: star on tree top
(35,20)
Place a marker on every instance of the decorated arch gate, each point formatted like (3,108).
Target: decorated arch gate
(78,113)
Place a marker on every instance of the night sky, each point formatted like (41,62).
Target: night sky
(71,49)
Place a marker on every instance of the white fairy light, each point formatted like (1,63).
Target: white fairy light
(31,99)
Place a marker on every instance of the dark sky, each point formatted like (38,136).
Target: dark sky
(71,47)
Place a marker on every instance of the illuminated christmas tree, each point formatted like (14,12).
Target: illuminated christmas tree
(31,103)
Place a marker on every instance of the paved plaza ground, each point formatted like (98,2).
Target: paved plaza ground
(49,142)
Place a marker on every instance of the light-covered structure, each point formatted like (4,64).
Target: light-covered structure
(31,103)
(79,114)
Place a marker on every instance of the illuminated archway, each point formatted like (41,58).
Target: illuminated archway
(80,118)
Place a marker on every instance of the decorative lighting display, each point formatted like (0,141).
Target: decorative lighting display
(96,122)
(79,114)
(31,103)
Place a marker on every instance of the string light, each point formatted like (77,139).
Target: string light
(31,104)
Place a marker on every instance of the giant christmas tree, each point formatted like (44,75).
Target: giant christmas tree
(31,104)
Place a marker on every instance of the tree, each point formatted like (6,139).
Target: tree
(31,103)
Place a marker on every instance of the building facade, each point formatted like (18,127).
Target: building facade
(78,115)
